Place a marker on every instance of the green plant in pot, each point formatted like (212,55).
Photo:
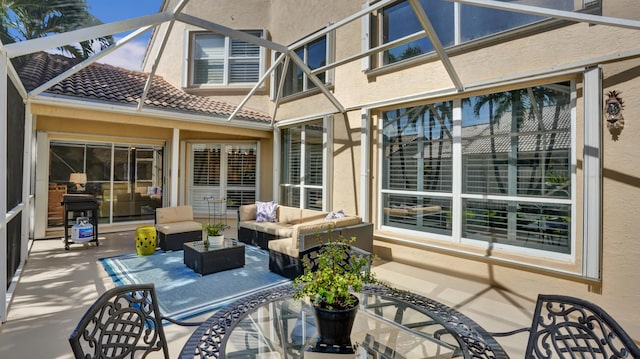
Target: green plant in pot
(330,276)
(214,232)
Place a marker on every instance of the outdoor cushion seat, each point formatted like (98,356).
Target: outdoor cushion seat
(179,227)
(175,226)
(277,229)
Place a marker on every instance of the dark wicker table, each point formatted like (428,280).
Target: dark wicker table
(390,324)
(215,257)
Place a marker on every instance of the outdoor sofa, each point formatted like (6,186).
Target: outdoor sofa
(293,230)
(175,226)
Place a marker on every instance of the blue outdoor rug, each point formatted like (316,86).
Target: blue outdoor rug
(182,293)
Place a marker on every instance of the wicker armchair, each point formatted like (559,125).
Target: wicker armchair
(124,322)
(567,327)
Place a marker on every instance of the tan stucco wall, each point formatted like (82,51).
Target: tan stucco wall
(570,46)
(81,123)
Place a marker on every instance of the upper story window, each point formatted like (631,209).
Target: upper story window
(315,54)
(220,60)
(399,20)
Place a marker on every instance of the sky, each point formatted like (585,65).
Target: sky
(130,55)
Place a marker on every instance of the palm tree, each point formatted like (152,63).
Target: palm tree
(30,19)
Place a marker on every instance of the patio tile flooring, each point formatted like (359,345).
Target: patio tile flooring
(57,286)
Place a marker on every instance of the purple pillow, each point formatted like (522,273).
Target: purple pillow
(266,211)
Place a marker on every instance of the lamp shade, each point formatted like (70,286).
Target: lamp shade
(78,177)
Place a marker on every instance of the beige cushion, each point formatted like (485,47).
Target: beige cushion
(174,214)
(309,228)
(289,214)
(399,211)
(346,221)
(284,245)
(276,229)
(179,227)
(309,215)
(247,212)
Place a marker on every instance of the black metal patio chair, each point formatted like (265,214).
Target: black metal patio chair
(567,327)
(124,322)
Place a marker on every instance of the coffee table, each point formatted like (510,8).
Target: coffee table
(215,257)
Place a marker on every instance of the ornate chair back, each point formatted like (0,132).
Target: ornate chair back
(564,327)
(124,322)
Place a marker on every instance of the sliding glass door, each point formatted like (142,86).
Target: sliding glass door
(126,179)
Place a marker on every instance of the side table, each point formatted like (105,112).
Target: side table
(215,257)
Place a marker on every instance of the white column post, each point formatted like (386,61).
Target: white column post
(175,167)
(592,175)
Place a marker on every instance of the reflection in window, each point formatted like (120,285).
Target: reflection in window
(127,179)
(417,145)
(314,55)
(515,162)
(517,145)
(399,20)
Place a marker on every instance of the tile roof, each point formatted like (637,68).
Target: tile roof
(114,84)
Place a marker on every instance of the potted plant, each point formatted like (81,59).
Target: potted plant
(334,271)
(214,232)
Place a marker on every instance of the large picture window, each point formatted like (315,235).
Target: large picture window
(515,161)
(302,166)
(220,60)
(399,20)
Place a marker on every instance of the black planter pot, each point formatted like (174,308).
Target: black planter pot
(334,325)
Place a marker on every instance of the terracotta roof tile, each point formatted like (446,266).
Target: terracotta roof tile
(113,84)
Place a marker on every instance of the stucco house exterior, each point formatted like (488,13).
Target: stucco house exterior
(496,150)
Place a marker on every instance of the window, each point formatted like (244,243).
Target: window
(315,54)
(515,163)
(302,166)
(223,171)
(220,60)
(127,178)
(399,20)
(417,168)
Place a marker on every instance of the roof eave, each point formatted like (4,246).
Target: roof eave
(96,105)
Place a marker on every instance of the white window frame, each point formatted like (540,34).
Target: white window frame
(327,160)
(227,58)
(591,196)
(197,196)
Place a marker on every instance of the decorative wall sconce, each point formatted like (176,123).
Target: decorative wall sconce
(613,113)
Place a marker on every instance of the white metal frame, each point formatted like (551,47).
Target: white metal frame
(141,24)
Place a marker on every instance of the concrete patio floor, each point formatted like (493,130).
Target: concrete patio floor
(57,286)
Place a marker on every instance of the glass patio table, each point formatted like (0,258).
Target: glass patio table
(389,324)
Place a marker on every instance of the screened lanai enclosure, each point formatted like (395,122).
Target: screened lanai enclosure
(489,161)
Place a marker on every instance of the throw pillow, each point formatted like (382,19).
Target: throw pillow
(266,211)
